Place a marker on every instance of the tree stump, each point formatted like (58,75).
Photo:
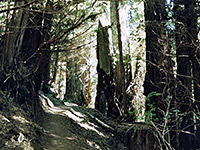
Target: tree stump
(137,136)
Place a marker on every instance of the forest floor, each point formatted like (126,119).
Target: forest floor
(66,126)
(62,126)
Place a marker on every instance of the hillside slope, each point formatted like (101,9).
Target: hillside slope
(67,126)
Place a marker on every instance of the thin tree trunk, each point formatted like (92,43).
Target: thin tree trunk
(124,96)
(119,72)
(89,85)
(55,69)
(5,41)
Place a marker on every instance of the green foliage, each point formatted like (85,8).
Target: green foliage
(136,112)
(127,60)
(150,114)
(95,30)
(67,100)
(151,95)
(86,119)
(51,93)
(133,113)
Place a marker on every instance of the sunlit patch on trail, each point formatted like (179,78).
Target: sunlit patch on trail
(67,110)
(93,144)
(72,116)
(20,119)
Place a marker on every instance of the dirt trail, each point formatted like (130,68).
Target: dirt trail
(65,128)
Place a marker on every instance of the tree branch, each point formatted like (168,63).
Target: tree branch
(18,7)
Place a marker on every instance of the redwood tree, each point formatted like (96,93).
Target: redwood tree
(105,89)
(24,58)
(155,19)
(119,70)
(187,66)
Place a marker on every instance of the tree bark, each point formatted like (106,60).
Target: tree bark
(105,93)
(46,56)
(119,71)
(13,36)
(186,35)
(156,50)
(21,56)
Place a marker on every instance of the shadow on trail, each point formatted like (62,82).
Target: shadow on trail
(70,127)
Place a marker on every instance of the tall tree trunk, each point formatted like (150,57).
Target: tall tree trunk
(5,41)
(89,86)
(105,93)
(192,27)
(21,61)
(30,55)
(13,36)
(55,69)
(119,72)
(72,80)
(11,54)
(155,16)
(186,35)
(45,56)
(196,81)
